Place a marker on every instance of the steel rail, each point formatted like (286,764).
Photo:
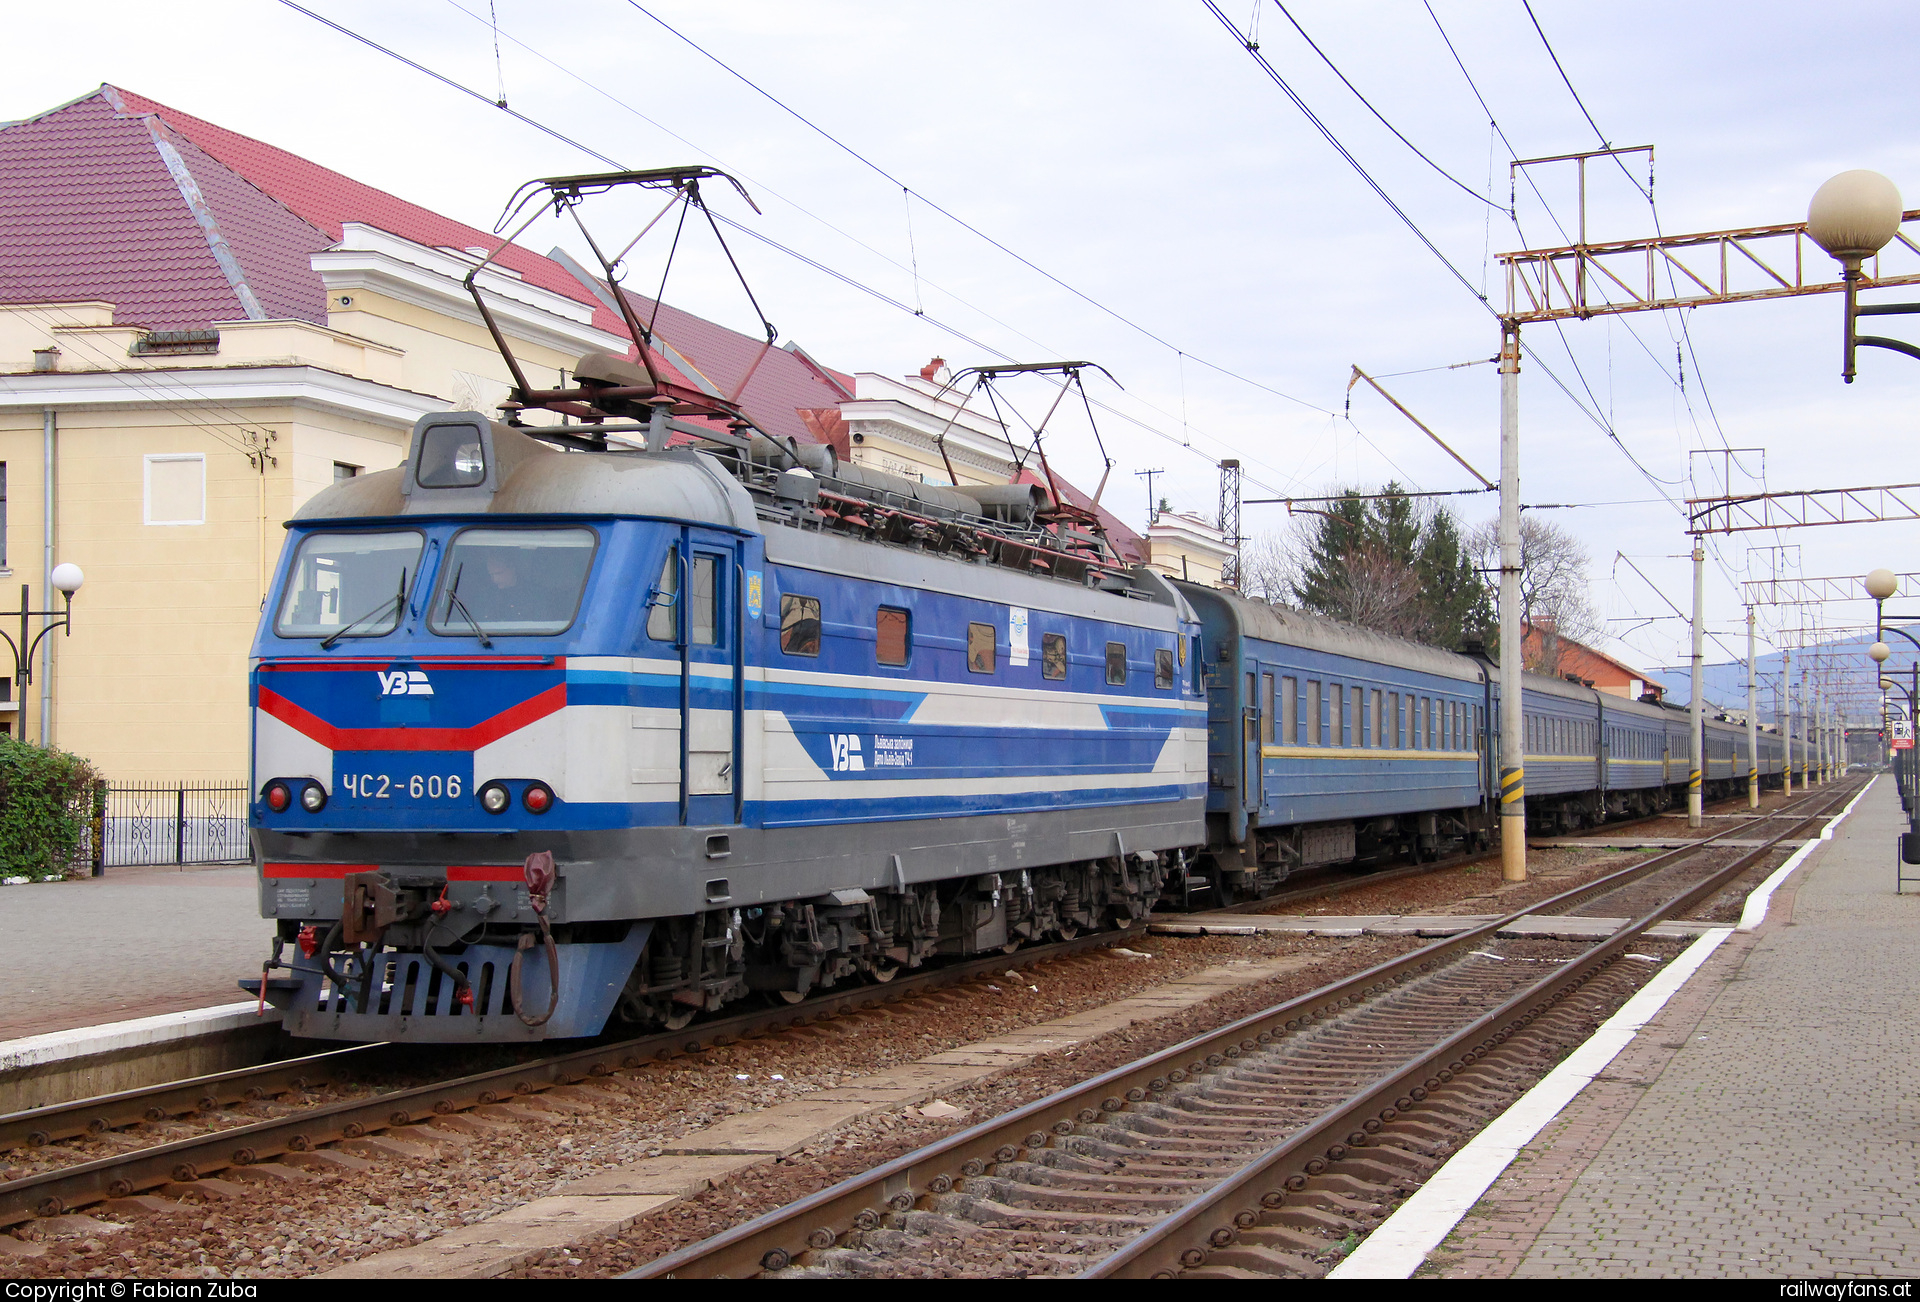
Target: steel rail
(777,1238)
(53,1192)
(1214,1219)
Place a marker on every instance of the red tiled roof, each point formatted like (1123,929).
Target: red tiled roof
(326,199)
(89,210)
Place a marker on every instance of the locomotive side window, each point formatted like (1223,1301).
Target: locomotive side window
(511,582)
(1290,711)
(980,648)
(1117,663)
(1163,668)
(890,635)
(663,620)
(1053,656)
(703,601)
(348,584)
(799,625)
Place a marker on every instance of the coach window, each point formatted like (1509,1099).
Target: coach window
(1163,669)
(1312,720)
(1359,716)
(890,635)
(1393,712)
(1117,663)
(1336,715)
(980,648)
(1266,709)
(799,625)
(1053,656)
(1289,712)
(1426,719)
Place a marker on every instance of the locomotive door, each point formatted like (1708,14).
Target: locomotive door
(710,686)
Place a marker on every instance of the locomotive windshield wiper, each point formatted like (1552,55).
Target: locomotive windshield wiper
(393,603)
(454,603)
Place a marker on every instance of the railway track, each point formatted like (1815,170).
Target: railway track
(313,1125)
(1252,1150)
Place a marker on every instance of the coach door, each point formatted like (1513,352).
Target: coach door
(710,679)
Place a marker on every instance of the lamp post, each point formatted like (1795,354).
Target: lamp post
(1852,217)
(1880,585)
(67,579)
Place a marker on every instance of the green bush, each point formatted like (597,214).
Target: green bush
(46,803)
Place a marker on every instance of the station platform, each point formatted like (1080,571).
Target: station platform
(135,943)
(1764,1123)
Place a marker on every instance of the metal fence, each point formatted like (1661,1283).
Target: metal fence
(162,822)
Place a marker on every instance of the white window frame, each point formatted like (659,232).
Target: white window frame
(147,487)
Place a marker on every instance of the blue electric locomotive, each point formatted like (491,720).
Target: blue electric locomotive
(680,725)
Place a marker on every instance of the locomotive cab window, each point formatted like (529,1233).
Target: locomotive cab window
(511,582)
(1117,663)
(1163,669)
(799,625)
(1053,656)
(349,584)
(980,658)
(891,628)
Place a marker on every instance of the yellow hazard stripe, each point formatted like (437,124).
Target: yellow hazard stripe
(1693,779)
(1512,785)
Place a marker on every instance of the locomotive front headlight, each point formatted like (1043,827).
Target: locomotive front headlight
(313,797)
(494,798)
(277,797)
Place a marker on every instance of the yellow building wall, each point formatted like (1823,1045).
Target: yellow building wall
(151,683)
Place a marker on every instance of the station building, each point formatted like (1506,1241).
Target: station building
(199,331)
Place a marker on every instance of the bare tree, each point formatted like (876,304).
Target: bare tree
(1555,601)
(1267,568)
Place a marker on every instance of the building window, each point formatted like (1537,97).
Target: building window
(1053,656)
(799,625)
(176,488)
(980,648)
(890,627)
(341,470)
(1117,663)
(1163,669)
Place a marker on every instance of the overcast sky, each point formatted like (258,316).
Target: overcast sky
(1135,152)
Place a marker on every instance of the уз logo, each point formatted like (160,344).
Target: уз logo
(404,682)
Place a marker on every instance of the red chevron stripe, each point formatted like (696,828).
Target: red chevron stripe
(512,719)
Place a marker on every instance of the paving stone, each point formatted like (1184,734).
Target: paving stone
(1762,1125)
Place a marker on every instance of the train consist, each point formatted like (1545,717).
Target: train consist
(620,719)
(715,716)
